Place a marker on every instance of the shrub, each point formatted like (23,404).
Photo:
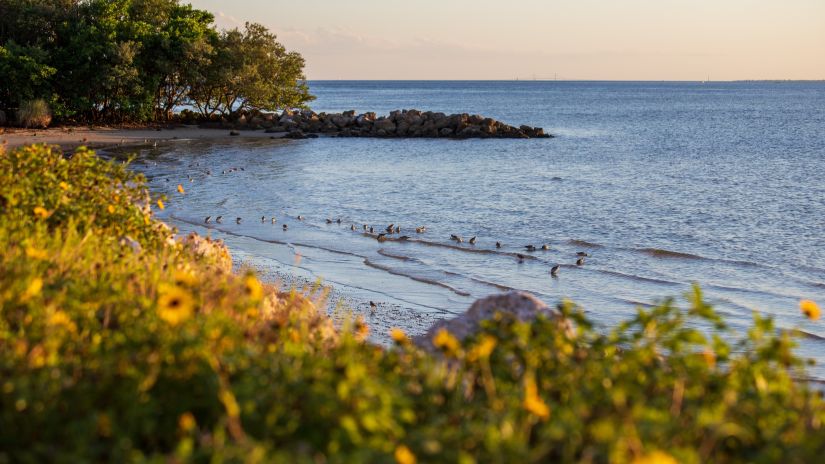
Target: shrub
(34,113)
(119,344)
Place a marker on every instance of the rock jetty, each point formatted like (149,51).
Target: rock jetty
(398,124)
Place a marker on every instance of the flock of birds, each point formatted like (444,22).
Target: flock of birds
(393,229)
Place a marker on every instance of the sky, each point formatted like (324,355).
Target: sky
(544,39)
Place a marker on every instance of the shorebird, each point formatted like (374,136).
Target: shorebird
(545,247)
(420,230)
(389,228)
(219,219)
(372,231)
(208,218)
(473,240)
(397,229)
(352,227)
(263,218)
(581,253)
(498,244)
(238,220)
(365,227)
(530,247)
(274,220)
(580,261)
(456,238)
(554,271)
(403,237)
(382,237)
(338,220)
(373,307)
(329,221)
(300,218)
(285,226)
(520,257)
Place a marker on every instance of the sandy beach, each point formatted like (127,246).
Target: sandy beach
(105,137)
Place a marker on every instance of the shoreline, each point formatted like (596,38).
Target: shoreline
(69,138)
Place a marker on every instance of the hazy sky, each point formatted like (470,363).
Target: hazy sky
(571,39)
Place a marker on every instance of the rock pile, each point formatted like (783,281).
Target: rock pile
(400,123)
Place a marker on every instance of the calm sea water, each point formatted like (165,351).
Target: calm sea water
(663,184)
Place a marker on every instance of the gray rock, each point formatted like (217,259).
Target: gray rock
(523,306)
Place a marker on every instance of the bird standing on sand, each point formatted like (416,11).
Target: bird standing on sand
(238,220)
(389,228)
(456,238)
(373,307)
(208,218)
(219,219)
(473,240)
(554,271)
(420,230)
(580,261)
(498,244)
(530,247)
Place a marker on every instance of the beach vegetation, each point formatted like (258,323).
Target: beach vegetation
(120,342)
(135,61)
(35,114)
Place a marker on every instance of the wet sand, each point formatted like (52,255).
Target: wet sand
(69,138)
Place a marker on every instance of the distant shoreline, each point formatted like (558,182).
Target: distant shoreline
(69,138)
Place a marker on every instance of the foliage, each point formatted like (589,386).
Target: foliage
(34,113)
(137,60)
(119,344)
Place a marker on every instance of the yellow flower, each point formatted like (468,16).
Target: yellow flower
(398,335)
(160,204)
(175,304)
(403,455)
(656,457)
(41,212)
(810,309)
(111,209)
(532,401)
(34,288)
(483,349)
(445,341)
(60,318)
(35,253)
(187,422)
(180,189)
(253,287)
(63,185)
(185,278)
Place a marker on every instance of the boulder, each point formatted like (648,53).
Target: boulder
(520,305)
(386,125)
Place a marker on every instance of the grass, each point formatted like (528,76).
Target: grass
(34,114)
(120,343)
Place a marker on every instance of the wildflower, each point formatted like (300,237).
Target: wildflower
(111,209)
(532,401)
(403,455)
(186,422)
(41,212)
(35,253)
(253,287)
(180,189)
(810,309)
(446,341)
(63,185)
(61,319)
(160,204)
(483,349)
(34,288)
(656,457)
(398,335)
(175,304)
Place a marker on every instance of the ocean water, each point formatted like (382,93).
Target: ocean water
(662,184)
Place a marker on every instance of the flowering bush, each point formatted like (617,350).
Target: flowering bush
(119,344)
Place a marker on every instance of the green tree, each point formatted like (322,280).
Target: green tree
(25,74)
(251,70)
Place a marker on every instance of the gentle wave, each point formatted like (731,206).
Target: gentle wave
(639,278)
(584,243)
(425,280)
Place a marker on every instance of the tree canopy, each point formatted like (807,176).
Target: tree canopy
(139,61)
